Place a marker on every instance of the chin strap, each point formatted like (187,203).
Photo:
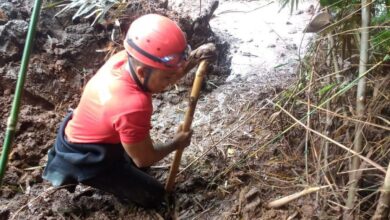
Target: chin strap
(143,86)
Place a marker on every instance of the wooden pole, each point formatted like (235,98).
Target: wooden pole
(187,122)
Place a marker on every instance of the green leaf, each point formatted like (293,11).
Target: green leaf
(325,89)
(381,41)
(328,2)
(387,58)
(280,65)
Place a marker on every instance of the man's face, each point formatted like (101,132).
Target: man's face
(159,80)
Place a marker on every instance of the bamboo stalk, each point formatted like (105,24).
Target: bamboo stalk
(382,209)
(187,122)
(13,118)
(307,135)
(360,107)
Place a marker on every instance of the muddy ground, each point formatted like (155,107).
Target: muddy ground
(227,172)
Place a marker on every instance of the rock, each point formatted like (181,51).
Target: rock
(12,37)
(250,195)
(7,92)
(307,211)
(174,99)
(310,10)
(288,23)
(253,205)
(271,46)
(3,17)
(50,44)
(17,29)
(156,103)
(319,22)
(9,10)
(292,32)
(292,47)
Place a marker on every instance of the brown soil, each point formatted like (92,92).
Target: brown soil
(64,58)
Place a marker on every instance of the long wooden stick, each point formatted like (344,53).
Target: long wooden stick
(282,201)
(187,122)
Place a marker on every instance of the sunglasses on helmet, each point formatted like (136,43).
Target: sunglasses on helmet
(172,60)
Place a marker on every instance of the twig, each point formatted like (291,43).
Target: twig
(164,166)
(280,202)
(202,213)
(331,140)
(248,11)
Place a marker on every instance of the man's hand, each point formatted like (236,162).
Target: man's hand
(145,153)
(182,138)
(206,51)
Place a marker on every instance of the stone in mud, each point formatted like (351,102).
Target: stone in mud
(12,38)
(8,10)
(17,30)
(307,211)
(252,193)
(3,17)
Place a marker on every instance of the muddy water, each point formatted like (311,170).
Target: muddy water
(261,38)
(266,41)
(265,48)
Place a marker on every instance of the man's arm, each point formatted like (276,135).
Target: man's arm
(145,153)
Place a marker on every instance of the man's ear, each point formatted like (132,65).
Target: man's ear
(141,72)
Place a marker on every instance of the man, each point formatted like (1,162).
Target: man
(105,140)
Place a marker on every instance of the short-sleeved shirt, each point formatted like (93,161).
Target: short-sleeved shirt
(112,109)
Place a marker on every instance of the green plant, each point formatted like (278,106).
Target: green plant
(88,8)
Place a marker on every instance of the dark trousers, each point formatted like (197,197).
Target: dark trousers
(103,166)
(126,181)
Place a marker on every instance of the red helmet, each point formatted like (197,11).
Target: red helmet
(157,41)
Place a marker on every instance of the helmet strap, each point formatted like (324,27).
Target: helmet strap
(146,80)
(143,86)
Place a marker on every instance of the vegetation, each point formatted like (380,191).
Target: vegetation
(85,8)
(346,144)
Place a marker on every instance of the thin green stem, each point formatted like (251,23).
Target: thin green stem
(13,119)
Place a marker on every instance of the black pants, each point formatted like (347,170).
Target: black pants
(103,166)
(128,182)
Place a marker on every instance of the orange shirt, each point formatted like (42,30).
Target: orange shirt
(112,108)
